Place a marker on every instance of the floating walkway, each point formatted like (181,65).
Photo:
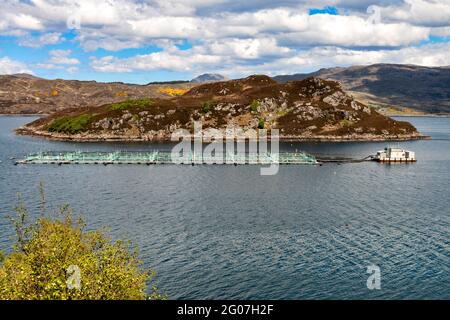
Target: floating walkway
(156,157)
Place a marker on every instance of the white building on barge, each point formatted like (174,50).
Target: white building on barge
(395,155)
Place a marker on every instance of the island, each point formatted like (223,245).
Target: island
(310,109)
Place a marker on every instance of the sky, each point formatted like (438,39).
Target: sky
(139,41)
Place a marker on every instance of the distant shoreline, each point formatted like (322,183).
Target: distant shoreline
(23,115)
(420,115)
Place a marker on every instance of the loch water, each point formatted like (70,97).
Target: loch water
(309,232)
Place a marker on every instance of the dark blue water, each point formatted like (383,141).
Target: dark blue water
(226,232)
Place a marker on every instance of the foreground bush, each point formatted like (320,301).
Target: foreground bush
(56,258)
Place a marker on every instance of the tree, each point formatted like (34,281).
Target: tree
(56,258)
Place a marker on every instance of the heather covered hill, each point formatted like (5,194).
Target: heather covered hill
(311,109)
(27,94)
(422,88)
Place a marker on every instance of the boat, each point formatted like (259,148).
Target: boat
(395,155)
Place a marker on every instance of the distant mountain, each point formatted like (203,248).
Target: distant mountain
(169,82)
(27,94)
(311,109)
(26,76)
(209,77)
(422,88)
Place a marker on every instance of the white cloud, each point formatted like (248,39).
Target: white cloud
(115,25)
(304,61)
(8,66)
(431,55)
(173,60)
(209,54)
(38,42)
(62,57)
(246,48)
(92,43)
(26,21)
(420,12)
(233,36)
(60,60)
(441,32)
(355,31)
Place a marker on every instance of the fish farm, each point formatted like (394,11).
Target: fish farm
(157,157)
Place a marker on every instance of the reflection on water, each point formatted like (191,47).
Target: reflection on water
(227,232)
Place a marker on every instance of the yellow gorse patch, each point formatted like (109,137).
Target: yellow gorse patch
(173,92)
(121,94)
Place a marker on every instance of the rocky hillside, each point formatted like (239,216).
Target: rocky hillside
(420,88)
(311,109)
(26,94)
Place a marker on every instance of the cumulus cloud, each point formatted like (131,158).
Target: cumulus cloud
(134,22)
(259,35)
(353,31)
(59,60)
(434,13)
(174,60)
(43,40)
(245,48)
(431,55)
(62,57)
(303,61)
(207,55)
(27,22)
(9,66)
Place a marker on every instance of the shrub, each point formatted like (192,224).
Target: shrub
(206,107)
(70,124)
(254,105)
(130,104)
(53,252)
(261,124)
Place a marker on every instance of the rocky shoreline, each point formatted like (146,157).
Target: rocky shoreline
(162,137)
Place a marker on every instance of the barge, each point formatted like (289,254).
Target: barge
(395,155)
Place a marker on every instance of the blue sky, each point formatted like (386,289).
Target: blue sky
(141,41)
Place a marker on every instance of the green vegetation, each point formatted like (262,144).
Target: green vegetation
(261,124)
(254,105)
(131,104)
(346,123)
(206,107)
(56,258)
(71,125)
